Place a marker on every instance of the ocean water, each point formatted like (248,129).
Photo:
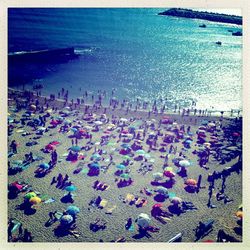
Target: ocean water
(140,54)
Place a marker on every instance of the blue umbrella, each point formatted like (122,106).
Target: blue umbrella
(94,165)
(96,157)
(73,210)
(125,145)
(44,165)
(71,188)
(74,129)
(121,166)
(75,148)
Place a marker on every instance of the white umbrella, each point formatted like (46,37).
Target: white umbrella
(184,163)
(143,220)
(123,120)
(158,176)
(98,123)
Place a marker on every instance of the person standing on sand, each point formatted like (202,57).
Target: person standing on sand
(13,146)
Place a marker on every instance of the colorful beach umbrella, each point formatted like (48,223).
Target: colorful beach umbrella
(176,200)
(66,219)
(125,176)
(44,165)
(121,166)
(184,163)
(75,148)
(143,220)
(30,195)
(191,182)
(162,190)
(71,188)
(94,165)
(140,152)
(35,200)
(73,210)
(239,214)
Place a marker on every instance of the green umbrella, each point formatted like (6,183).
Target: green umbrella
(30,195)
(140,152)
(125,176)
(73,210)
(70,188)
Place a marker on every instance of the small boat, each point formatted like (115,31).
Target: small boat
(203,25)
(219,43)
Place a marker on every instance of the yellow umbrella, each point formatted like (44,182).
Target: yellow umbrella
(239,214)
(35,200)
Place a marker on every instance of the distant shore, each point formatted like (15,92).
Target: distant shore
(214,17)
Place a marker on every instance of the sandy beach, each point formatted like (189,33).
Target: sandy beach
(115,211)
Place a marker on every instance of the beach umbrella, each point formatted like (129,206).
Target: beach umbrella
(111,144)
(75,148)
(126,157)
(123,119)
(71,188)
(143,220)
(72,210)
(50,147)
(121,166)
(66,219)
(169,169)
(41,128)
(157,205)
(162,190)
(184,163)
(30,195)
(35,200)
(16,185)
(158,176)
(176,200)
(140,152)
(98,123)
(33,107)
(147,156)
(125,145)
(44,165)
(96,157)
(169,174)
(191,182)
(94,165)
(125,176)
(239,214)
(73,130)
(18,162)
(211,124)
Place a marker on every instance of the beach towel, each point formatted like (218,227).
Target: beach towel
(171,195)
(25,166)
(132,228)
(110,210)
(50,200)
(103,203)
(16,226)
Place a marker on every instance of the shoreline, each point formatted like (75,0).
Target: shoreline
(121,112)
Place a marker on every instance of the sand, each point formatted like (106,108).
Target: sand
(223,215)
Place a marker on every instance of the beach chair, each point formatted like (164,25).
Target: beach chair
(103,203)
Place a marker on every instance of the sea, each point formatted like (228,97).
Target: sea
(133,51)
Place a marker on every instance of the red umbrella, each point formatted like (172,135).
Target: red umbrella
(169,174)
(157,205)
(50,147)
(54,143)
(16,185)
